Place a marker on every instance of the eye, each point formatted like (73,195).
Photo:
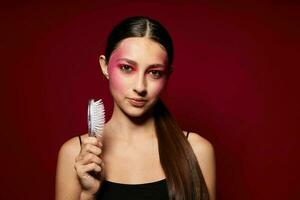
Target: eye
(156,73)
(125,68)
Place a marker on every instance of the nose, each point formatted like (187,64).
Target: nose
(140,85)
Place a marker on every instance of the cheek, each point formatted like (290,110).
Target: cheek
(115,80)
(157,87)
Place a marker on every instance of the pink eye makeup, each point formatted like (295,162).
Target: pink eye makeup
(155,71)
(156,74)
(126,68)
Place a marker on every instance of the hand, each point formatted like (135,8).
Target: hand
(89,165)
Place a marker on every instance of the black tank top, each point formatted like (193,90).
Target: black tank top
(157,190)
(147,191)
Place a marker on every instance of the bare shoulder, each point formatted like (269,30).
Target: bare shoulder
(70,148)
(67,185)
(204,151)
(200,144)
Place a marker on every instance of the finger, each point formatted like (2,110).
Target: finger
(90,140)
(86,150)
(102,165)
(92,167)
(86,170)
(90,158)
(100,139)
(89,148)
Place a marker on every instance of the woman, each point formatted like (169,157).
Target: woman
(143,153)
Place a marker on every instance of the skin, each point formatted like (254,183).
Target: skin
(136,69)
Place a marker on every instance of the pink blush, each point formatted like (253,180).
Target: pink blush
(115,78)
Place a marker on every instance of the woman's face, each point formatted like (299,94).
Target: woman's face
(137,71)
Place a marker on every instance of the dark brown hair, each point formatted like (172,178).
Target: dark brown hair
(183,174)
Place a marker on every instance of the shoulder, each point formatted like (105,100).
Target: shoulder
(199,144)
(70,149)
(203,150)
(205,154)
(67,184)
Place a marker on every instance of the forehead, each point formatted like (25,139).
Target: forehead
(141,50)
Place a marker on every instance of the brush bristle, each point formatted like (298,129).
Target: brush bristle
(96,117)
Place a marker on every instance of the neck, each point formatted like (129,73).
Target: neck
(128,127)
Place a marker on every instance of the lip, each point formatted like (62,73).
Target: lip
(137,102)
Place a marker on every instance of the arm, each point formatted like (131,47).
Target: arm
(67,184)
(204,152)
(74,164)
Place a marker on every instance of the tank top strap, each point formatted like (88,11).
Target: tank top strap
(187,135)
(80,142)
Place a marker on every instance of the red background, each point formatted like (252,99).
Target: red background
(235,83)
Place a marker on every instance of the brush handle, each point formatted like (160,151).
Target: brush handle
(89,118)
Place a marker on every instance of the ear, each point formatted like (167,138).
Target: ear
(104,66)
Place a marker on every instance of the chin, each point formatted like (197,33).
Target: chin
(135,112)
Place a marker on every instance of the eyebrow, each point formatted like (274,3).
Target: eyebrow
(135,63)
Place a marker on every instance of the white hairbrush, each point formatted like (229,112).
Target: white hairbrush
(96,118)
